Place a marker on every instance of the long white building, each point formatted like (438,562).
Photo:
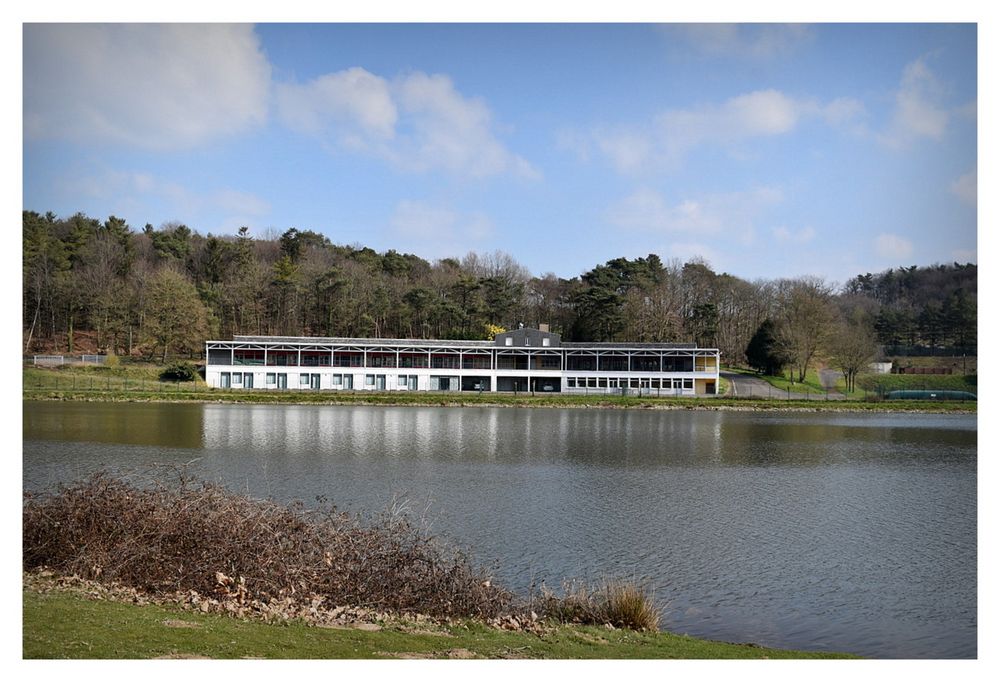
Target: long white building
(517,361)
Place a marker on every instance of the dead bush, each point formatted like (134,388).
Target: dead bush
(166,538)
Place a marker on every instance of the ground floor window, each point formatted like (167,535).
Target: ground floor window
(376,381)
(445,383)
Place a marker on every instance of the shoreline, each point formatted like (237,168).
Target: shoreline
(69,617)
(206,396)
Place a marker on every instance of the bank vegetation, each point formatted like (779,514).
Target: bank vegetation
(196,542)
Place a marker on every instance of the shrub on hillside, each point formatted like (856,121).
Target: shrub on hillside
(180,371)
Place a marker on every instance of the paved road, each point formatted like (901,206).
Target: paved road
(745,386)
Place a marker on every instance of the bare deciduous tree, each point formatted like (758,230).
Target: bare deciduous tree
(806,319)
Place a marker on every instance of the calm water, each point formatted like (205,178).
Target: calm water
(815,531)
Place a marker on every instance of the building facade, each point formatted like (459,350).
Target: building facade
(523,360)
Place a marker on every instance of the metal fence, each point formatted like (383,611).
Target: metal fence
(56,360)
(73,382)
(752,392)
(809,393)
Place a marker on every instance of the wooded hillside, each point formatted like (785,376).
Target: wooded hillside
(162,291)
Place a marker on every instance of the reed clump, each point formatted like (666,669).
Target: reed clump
(618,603)
(164,539)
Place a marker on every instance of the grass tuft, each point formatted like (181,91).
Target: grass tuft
(619,603)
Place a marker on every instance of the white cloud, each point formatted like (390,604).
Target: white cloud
(733,213)
(966,187)
(765,112)
(919,111)
(757,41)
(645,209)
(354,99)
(154,86)
(436,229)
(673,133)
(803,236)
(893,247)
(418,122)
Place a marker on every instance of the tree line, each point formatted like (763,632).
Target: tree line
(154,292)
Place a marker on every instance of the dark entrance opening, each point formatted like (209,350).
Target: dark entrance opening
(546,385)
(513,384)
(475,383)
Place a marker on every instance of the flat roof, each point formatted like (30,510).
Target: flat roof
(461,343)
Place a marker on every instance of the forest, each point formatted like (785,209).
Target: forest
(158,292)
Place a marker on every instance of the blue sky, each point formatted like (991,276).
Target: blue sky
(768,150)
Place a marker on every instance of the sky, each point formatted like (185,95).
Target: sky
(766,150)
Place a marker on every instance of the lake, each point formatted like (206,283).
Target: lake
(821,531)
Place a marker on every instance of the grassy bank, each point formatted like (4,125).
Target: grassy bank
(929,382)
(68,624)
(138,384)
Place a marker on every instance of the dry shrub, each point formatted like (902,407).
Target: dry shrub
(618,603)
(168,538)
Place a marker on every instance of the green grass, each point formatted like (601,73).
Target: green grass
(130,377)
(65,625)
(723,386)
(899,382)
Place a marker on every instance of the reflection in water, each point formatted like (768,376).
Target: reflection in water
(816,531)
(179,426)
